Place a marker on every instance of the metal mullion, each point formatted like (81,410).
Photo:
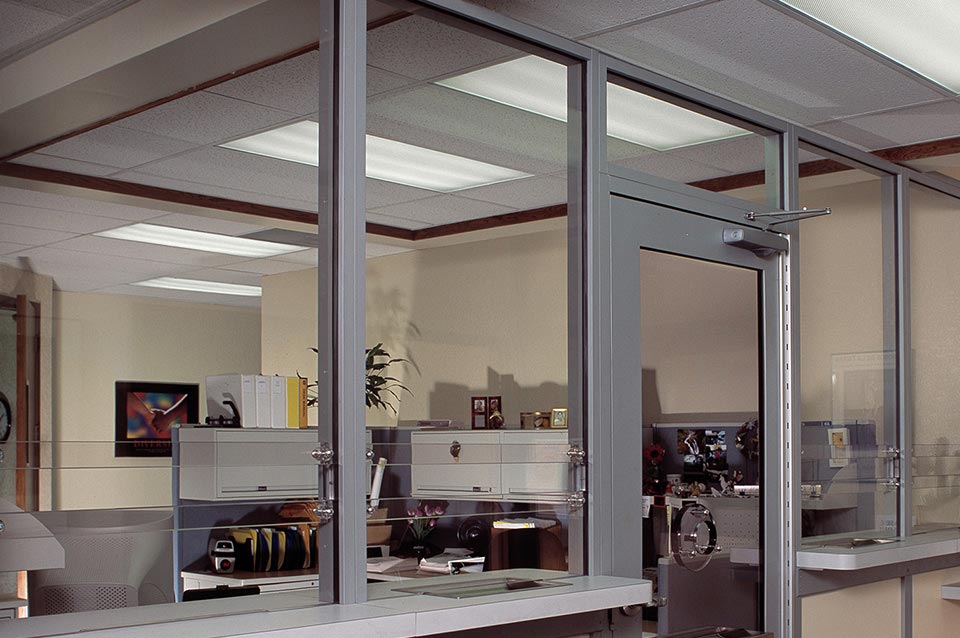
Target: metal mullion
(869,161)
(598,436)
(941,183)
(341,236)
(790,200)
(904,348)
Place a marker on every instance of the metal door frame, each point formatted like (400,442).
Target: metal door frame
(617,509)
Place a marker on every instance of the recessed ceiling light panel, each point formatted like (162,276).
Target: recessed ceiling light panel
(196,240)
(539,86)
(199,285)
(920,35)
(387,160)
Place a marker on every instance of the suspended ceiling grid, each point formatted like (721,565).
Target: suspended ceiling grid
(751,53)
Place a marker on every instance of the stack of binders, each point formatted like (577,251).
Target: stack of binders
(260,401)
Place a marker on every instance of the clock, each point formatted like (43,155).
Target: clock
(6,418)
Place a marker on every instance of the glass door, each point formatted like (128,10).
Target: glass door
(696,415)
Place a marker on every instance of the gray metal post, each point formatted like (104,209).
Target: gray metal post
(341,328)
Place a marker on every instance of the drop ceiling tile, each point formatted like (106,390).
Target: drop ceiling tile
(62,164)
(146,252)
(453,122)
(575,19)
(207,224)
(292,85)
(205,118)
(396,222)
(673,168)
(22,23)
(899,127)
(265,266)
(736,155)
(30,236)
(88,271)
(65,221)
(380,81)
(183,295)
(118,146)
(53,201)
(421,48)
(310,257)
(759,56)
(218,191)
(522,194)
(379,193)
(66,8)
(443,209)
(383,250)
(8,248)
(241,171)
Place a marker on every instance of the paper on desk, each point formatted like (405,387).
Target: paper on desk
(523,523)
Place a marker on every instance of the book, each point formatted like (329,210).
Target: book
(302,399)
(293,402)
(382,565)
(278,402)
(263,400)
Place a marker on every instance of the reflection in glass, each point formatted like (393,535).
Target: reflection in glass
(847,366)
(467,282)
(934,269)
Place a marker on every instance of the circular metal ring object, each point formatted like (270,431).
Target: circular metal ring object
(686,544)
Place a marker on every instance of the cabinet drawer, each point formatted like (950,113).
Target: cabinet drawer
(467,481)
(437,448)
(535,482)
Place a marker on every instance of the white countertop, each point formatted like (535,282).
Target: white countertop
(388,613)
(929,545)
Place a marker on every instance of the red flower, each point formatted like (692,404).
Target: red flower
(654,454)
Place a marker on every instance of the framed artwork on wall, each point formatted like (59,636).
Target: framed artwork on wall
(145,412)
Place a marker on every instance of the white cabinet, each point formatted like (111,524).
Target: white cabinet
(219,464)
(528,466)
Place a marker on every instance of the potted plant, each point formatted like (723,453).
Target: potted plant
(379,387)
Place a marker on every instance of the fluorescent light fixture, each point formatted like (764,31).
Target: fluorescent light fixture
(387,160)
(198,285)
(539,86)
(920,35)
(196,240)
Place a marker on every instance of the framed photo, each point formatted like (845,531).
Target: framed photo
(145,412)
(478,413)
(558,418)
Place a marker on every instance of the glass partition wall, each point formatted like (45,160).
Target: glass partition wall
(933,224)
(472,163)
(848,389)
(157,356)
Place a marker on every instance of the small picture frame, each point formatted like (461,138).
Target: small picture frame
(478,413)
(558,418)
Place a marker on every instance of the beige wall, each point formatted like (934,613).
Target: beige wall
(699,334)
(934,617)
(482,318)
(841,293)
(489,318)
(866,611)
(101,339)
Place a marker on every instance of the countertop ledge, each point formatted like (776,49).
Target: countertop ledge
(388,613)
(918,547)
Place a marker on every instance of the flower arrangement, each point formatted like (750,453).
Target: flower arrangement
(653,456)
(423,519)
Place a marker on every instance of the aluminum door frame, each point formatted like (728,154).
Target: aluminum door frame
(655,215)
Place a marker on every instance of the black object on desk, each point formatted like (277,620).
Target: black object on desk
(220,591)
